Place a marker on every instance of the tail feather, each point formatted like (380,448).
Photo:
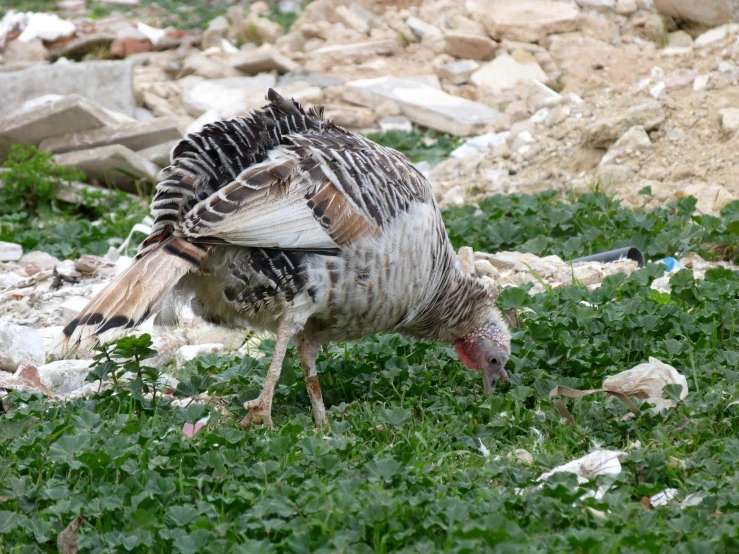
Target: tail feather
(132,296)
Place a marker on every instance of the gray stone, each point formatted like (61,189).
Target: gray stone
(25,52)
(422,29)
(40,120)
(224,95)
(597,5)
(107,83)
(358,18)
(20,345)
(65,376)
(459,72)
(258,61)
(603,132)
(504,72)
(10,252)
(614,174)
(159,154)
(136,135)
(525,20)
(311,78)
(114,164)
(371,48)
(467,46)
(424,105)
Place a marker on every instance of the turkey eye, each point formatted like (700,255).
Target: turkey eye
(493,361)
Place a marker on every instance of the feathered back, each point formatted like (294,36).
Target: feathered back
(205,162)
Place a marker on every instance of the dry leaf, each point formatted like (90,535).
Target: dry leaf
(68,541)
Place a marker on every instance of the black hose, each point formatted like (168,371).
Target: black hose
(630,252)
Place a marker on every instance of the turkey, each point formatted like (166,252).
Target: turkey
(285,222)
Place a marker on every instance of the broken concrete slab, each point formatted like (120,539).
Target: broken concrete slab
(136,135)
(45,118)
(525,20)
(159,154)
(115,165)
(423,104)
(108,83)
(259,61)
(224,95)
(371,48)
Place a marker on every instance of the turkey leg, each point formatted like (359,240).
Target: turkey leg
(260,409)
(308,350)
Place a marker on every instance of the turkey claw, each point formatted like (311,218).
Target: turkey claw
(259,414)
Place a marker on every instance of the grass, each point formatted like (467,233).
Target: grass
(400,467)
(417,146)
(30,215)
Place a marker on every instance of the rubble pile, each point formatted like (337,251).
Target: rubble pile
(551,94)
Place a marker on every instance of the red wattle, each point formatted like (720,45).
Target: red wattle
(464,358)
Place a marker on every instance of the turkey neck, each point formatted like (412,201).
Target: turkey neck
(457,304)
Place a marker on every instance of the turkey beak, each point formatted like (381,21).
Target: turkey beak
(493,373)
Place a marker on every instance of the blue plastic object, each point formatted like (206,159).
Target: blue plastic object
(672,264)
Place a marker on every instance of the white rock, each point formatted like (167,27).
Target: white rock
(423,29)
(504,72)
(65,376)
(539,96)
(73,305)
(716,35)
(396,123)
(458,72)
(633,140)
(190,352)
(20,345)
(700,83)
(626,7)
(657,90)
(466,259)
(729,120)
(45,26)
(523,139)
(475,144)
(10,252)
(224,96)
(453,197)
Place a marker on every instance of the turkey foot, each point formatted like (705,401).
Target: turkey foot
(260,409)
(260,413)
(308,350)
